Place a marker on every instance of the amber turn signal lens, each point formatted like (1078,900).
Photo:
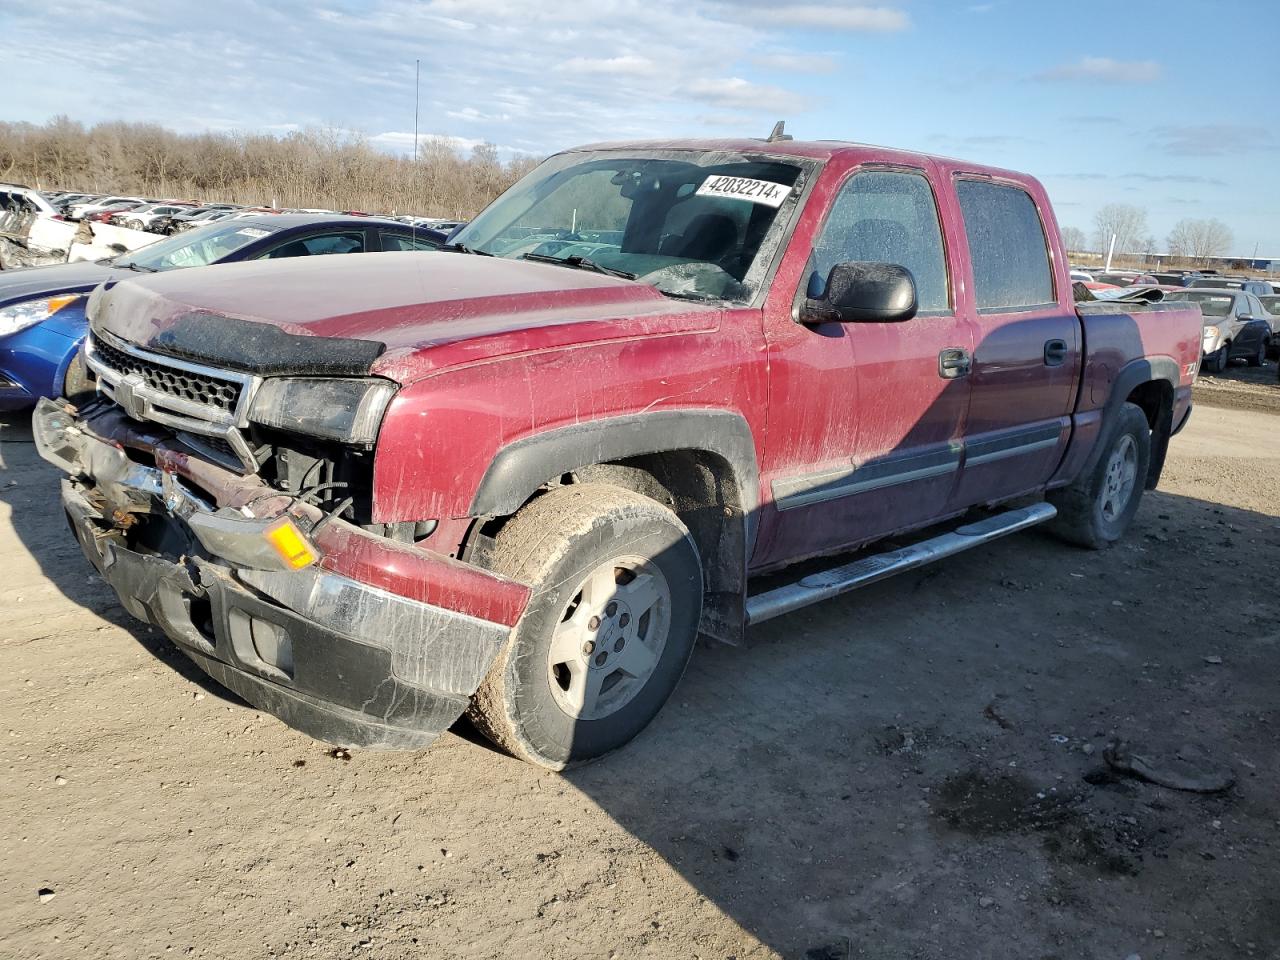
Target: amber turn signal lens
(57,303)
(289,542)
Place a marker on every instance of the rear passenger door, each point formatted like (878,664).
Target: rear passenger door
(1026,361)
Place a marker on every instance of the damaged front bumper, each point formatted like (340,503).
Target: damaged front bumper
(376,644)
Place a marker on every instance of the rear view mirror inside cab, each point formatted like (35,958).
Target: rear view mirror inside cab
(860,292)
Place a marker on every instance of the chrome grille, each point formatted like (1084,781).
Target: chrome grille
(188,397)
(184,384)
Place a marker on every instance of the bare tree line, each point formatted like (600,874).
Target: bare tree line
(1189,239)
(333,169)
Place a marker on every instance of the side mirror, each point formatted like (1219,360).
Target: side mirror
(860,292)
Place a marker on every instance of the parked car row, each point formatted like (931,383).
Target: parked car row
(1241,314)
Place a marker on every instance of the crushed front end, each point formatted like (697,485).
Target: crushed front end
(252,550)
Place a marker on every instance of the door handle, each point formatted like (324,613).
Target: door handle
(1055,353)
(953,363)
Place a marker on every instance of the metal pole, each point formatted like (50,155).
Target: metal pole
(1110,251)
(413,191)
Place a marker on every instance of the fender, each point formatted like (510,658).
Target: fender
(521,467)
(1132,375)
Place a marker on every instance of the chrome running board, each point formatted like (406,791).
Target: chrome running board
(868,570)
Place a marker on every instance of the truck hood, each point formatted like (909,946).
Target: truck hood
(33,283)
(425,310)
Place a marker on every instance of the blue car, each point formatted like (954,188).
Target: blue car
(42,320)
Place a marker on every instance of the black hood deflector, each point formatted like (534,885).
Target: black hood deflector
(263,349)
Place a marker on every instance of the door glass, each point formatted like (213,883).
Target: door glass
(885,217)
(1007,246)
(397,241)
(319,245)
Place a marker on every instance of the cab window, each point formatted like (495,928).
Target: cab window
(1006,245)
(885,216)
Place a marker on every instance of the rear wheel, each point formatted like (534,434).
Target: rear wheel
(1259,358)
(133,224)
(1096,510)
(617,596)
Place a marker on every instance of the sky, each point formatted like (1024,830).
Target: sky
(1172,106)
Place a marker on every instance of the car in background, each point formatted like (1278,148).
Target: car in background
(84,208)
(1081,276)
(1235,326)
(1125,278)
(1270,303)
(15,198)
(1256,287)
(1176,278)
(42,319)
(144,216)
(63,203)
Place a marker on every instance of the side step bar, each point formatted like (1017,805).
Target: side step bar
(869,570)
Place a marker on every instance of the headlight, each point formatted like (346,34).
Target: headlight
(28,314)
(1211,333)
(346,410)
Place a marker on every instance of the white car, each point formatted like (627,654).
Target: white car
(78,211)
(141,218)
(1079,276)
(18,199)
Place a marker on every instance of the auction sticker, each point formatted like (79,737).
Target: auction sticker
(743,188)
(254,232)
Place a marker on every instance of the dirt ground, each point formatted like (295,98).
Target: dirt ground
(914,771)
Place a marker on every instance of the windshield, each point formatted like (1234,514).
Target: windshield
(1271,303)
(1211,304)
(195,248)
(700,226)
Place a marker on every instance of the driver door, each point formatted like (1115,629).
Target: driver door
(866,418)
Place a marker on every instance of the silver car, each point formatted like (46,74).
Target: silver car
(1236,327)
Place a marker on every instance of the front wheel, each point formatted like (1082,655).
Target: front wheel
(1096,510)
(617,596)
(1219,359)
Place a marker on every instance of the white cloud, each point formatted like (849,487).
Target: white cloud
(745,95)
(627,65)
(835,17)
(1105,70)
(796,62)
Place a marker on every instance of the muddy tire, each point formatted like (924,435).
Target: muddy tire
(76,385)
(617,596)
(1096,510)
(1259,358)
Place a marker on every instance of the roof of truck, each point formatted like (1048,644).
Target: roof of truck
(820,150)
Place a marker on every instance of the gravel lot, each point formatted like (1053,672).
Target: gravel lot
(912,771)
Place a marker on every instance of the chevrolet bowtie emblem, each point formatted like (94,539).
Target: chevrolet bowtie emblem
(134,406)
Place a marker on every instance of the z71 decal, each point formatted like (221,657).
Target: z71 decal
(742,188)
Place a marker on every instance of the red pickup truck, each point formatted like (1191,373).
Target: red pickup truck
(518,477)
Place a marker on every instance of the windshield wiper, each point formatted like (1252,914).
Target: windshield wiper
(686,295)
(136,267)
(462,248)
(579,263)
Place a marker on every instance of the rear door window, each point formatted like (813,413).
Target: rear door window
(1006,245)
(404,241)
(319,245)
(884,216)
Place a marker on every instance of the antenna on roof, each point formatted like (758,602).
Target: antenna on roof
(778,133)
